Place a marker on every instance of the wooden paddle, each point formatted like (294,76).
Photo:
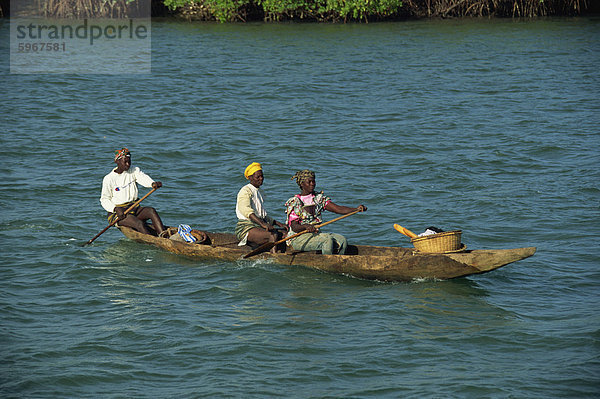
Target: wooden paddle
(124,213)
(405,231)
(267,246)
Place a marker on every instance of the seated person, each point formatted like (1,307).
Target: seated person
(119,192)
(254,225)
(304,212)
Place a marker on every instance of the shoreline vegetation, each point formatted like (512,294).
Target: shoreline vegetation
(333,11)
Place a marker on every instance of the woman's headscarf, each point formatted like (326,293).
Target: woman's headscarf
(302,175)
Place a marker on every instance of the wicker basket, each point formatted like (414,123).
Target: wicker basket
(448,241)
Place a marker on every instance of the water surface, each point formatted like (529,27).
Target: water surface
(481,125)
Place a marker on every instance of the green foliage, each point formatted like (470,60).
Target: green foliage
(329,9)
(225,10)
(275,10)
(362,9)
(173,4)
(290,9)
(373,10)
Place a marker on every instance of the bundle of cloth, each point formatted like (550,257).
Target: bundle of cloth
(184,233)
(430,231)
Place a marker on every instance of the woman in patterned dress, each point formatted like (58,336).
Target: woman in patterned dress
(304,212)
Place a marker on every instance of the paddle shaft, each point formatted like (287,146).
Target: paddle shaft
(269,245)
(317,226)
(405,231)
(136,203)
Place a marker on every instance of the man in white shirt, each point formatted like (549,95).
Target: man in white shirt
(119,192)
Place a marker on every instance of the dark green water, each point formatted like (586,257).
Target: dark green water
(486,126)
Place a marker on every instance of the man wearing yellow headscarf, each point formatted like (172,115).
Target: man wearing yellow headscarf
(251,169)
(254,226)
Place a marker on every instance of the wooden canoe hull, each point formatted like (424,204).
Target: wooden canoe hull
(362,261)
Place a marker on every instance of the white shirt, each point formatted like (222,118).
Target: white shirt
(250,201)
(120,188)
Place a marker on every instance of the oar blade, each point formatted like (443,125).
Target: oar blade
(263,248)
(97,235)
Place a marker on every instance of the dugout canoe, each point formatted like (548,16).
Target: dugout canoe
(361,261)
